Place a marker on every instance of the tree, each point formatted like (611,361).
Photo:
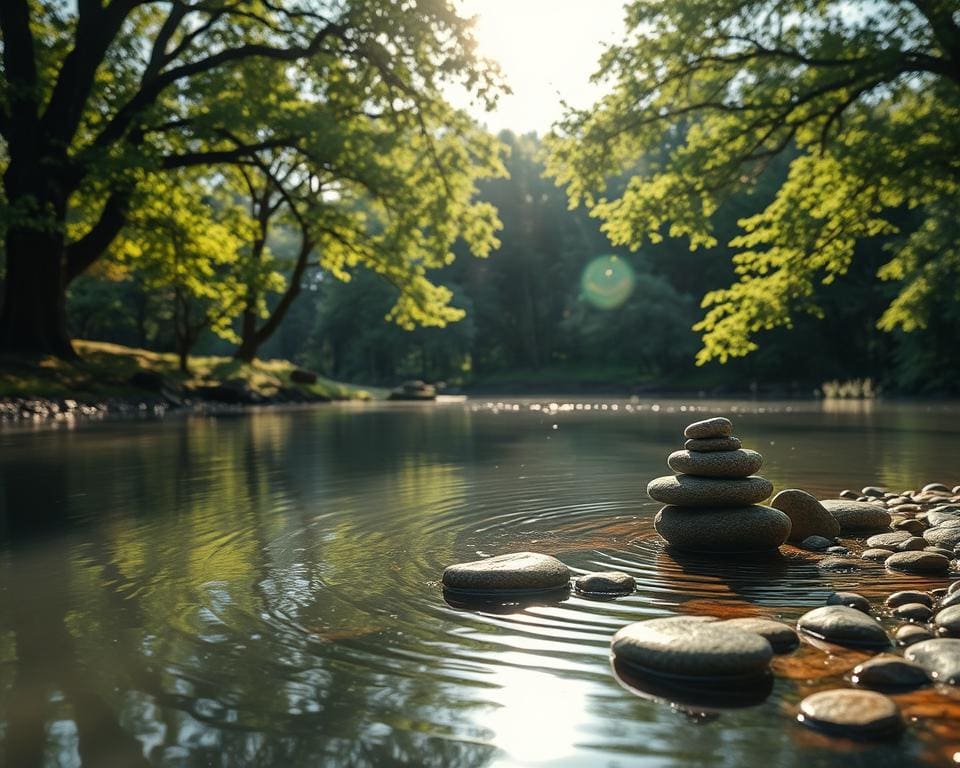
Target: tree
(707,92)
(94,95)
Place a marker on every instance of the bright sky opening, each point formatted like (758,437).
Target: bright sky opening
(547,49)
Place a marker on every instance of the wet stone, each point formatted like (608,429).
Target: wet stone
(954,587)
(935,488)
(687,647)
(517,572)
(888,672)
(691,491)
(850,599)
(782,637)
(875,555)
(839,564)
(917,562)
(710,444)
(808,517)
(949,600)
(914,527)
(717,426)
(838,550)
(850,713)
(605,583)
(722,529)
(888,540)
(913,544)
(873,490)
(816,543)
(945,517)
(856,517)
(848,494)
(905,596)
(917,612)
(940,658)
(912,633)
(947,621)
(842,625)
(739,463)
(947,536)
(940,551)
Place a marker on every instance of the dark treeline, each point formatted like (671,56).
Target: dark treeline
(535,321)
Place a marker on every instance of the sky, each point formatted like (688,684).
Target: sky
(547,50)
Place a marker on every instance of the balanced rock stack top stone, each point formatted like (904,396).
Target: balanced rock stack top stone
(713,503)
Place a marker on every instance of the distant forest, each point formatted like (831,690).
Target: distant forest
(532,325)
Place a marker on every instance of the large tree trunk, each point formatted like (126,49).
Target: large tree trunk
(33,321)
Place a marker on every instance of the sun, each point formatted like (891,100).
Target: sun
(547,49)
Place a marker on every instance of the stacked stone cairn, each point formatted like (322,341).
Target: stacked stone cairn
(713,503)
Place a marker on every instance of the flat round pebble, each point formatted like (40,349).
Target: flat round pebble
(908,596)
(782,637)
(722,529)
(954,587)
(816,543)
(709,444)
(717,426)
(888,671)
(808,517)
(916,527)
(917,562)
(850,713)
(683,646)
(940,658)
(851,599)
(917,612)
(692,491)
(739,463)
(514,572)
(888,540)
(839,564)
(876,555)
(947,536)
(947,621)
(605,583)
(949,600)
(912,633)
(856,516)
(842,625)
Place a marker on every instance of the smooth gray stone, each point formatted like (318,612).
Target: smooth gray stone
(888,540)
(710,444)
(848,712)
(954,587)
(939,551)
(917,612)
(517,572)
(808,517)
(905,596)
(816,543)
(939,657)
(913,544)
(943,516)
(605,583)
(839,564)
(917,562)
(838,550)
(947,621)
(740,463)
(876,555)
(717,426)
(888,671)
(691,491)
(848,494)
(935,488)
(912,633)
(851,599)
(873,490)
(680,646)
(857,516)
(946,536)
(949,600)
(842,625)
(722,529)
(782,637)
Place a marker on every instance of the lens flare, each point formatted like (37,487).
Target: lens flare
(607,282)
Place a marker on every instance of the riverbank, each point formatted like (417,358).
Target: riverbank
(113,380)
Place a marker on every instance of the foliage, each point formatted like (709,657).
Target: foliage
(705,94)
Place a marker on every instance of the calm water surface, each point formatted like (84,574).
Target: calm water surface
(262,590)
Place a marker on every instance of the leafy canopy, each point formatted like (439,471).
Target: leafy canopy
(706,92)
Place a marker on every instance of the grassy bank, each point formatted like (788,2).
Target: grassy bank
(104,371)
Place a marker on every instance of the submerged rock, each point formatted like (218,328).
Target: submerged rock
(848,712)
(839,564)
(692,647)
(857,516)
(717,426)
(917,562)
(605,583)
(692,491)
(816,543)
(843,625)
(875,555)
(808,517)
(723,529)
(517,571)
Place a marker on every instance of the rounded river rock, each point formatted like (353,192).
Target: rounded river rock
(723,529)
(691,491)
(782,637)
(680,646)
(856,516)
(739,463)
(808,517)
(850,713)
(718,426)
(843,625)
(888,671)
(709,444)
(940,658)
(605,583)
(515,572)
(917,562)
